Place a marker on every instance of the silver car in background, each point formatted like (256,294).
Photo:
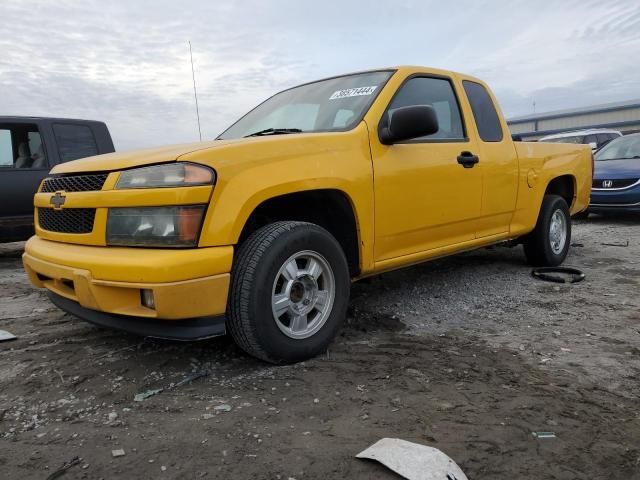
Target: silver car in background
(596,138)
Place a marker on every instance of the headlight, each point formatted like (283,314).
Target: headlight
(177,174)
(177,226)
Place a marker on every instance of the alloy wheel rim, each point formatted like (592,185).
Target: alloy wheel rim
(558,231)
(303,294)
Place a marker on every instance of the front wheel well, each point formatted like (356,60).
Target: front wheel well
(330,209)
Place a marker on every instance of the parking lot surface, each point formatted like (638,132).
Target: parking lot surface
(468,354)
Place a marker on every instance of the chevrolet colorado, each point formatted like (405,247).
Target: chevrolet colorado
(261,231)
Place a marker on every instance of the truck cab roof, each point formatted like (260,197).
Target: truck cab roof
(23,119)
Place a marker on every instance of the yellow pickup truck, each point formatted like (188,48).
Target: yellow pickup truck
(261,231)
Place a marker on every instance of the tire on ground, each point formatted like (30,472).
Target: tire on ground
(250,318)
(537,244)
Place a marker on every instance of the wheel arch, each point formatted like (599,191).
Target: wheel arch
(330,208)
(564,186)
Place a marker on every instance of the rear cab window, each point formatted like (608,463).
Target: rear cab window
(21,147)
(438,93)
(484,112)
(74,141)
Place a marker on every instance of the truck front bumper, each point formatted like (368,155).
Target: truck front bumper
(183,330)
(105,285)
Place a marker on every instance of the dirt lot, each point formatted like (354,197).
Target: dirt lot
(468,354)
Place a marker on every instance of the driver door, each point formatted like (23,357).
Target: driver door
(427,194)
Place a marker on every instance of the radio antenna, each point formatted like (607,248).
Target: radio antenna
(195,92)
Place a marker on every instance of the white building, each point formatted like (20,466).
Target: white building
(622,116)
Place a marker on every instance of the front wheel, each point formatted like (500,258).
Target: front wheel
(289,292)
(548,244)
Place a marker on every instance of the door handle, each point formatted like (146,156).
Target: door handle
(468,159)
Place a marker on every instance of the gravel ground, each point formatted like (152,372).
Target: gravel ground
(468,354)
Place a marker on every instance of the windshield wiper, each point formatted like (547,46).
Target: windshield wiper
(274,131)
(623,158)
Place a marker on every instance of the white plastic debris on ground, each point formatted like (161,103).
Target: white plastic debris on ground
(5,336)
(118,453)
(413,461)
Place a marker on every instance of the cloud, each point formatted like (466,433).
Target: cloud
(127,63)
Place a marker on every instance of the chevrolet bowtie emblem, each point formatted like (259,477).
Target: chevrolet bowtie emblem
(57,200)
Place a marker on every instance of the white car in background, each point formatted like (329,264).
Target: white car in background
(593,137)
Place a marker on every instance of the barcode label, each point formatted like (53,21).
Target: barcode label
(352,92)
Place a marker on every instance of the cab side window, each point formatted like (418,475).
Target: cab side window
(6,149)
(21,147)
(438,93)
(484,112)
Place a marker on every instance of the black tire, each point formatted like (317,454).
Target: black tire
(250,318)
(537,244)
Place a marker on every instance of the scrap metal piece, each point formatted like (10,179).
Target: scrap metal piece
(626,244)
(65,466)
(413,461)
(189,379)
(150,393)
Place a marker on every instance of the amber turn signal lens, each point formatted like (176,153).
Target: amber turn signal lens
(189,221)
(197,174)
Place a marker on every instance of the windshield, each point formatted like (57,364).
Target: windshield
(334,104)
(577,139)
(620,148)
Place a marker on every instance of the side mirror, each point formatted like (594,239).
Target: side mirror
(593,145)
(409,122)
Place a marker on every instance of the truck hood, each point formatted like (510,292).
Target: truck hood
(228,155)
(617,169)
(135,158)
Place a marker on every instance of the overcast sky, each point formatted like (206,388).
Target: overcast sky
(127,62)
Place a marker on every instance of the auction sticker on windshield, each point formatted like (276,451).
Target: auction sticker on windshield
(352,92)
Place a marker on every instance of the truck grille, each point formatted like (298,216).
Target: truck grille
(627,182)
(75,183)
(70,220)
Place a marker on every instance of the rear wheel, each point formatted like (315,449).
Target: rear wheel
(548,244)
(289,292)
